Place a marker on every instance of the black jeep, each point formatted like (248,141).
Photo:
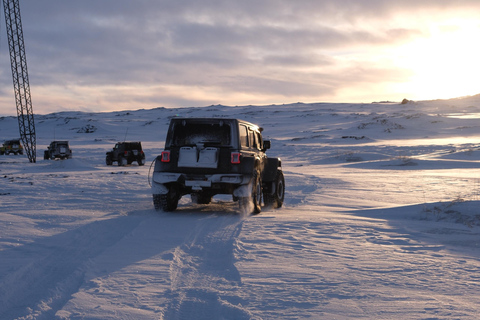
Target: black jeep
(208,156)
(11,146)
(125,153)
(58,150)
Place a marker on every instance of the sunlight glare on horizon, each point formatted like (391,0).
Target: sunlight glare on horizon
(445,64)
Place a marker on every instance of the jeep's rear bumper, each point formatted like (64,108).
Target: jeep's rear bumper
(189,183)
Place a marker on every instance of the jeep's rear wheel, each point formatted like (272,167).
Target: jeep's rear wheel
(141,161)
(257,193)
(165,202)
(122,161)
(275,199)
(253,204)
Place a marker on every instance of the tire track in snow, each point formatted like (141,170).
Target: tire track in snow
(34,283)
(203,275)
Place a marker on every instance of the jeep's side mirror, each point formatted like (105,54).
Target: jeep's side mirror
(266,144)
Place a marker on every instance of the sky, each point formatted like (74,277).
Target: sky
(107,55)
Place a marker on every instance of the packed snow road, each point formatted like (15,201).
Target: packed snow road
(68,255)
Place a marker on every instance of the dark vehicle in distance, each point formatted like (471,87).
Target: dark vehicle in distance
(125,153)
(11,146)
(208,156)
(58,150)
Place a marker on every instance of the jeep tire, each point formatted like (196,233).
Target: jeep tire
(122,161)
(276,198)
(253,204)
(165,202)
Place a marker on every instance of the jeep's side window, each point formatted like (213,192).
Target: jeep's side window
(243,136)
(258,140)
(251,138)
(258,137)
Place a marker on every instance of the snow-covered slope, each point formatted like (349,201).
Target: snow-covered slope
(380,221)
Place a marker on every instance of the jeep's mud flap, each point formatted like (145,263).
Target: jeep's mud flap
(244,191)
(158,188)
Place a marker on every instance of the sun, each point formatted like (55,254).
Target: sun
(444,65)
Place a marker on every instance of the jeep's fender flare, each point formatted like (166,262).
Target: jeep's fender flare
(248,165)
(162,166)
(271,167)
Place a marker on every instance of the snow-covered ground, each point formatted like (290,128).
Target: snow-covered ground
(380,221)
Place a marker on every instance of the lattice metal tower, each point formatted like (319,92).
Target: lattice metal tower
(21,84)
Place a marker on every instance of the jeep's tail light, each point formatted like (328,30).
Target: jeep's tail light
(165,156)
(236,157)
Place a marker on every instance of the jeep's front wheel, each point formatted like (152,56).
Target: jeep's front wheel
(276,198)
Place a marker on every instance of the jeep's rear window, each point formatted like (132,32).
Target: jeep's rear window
(208,134)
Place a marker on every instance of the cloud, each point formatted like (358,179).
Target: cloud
(275,49)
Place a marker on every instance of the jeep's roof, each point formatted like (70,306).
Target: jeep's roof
(12,141)
(215,120)
(128,145)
